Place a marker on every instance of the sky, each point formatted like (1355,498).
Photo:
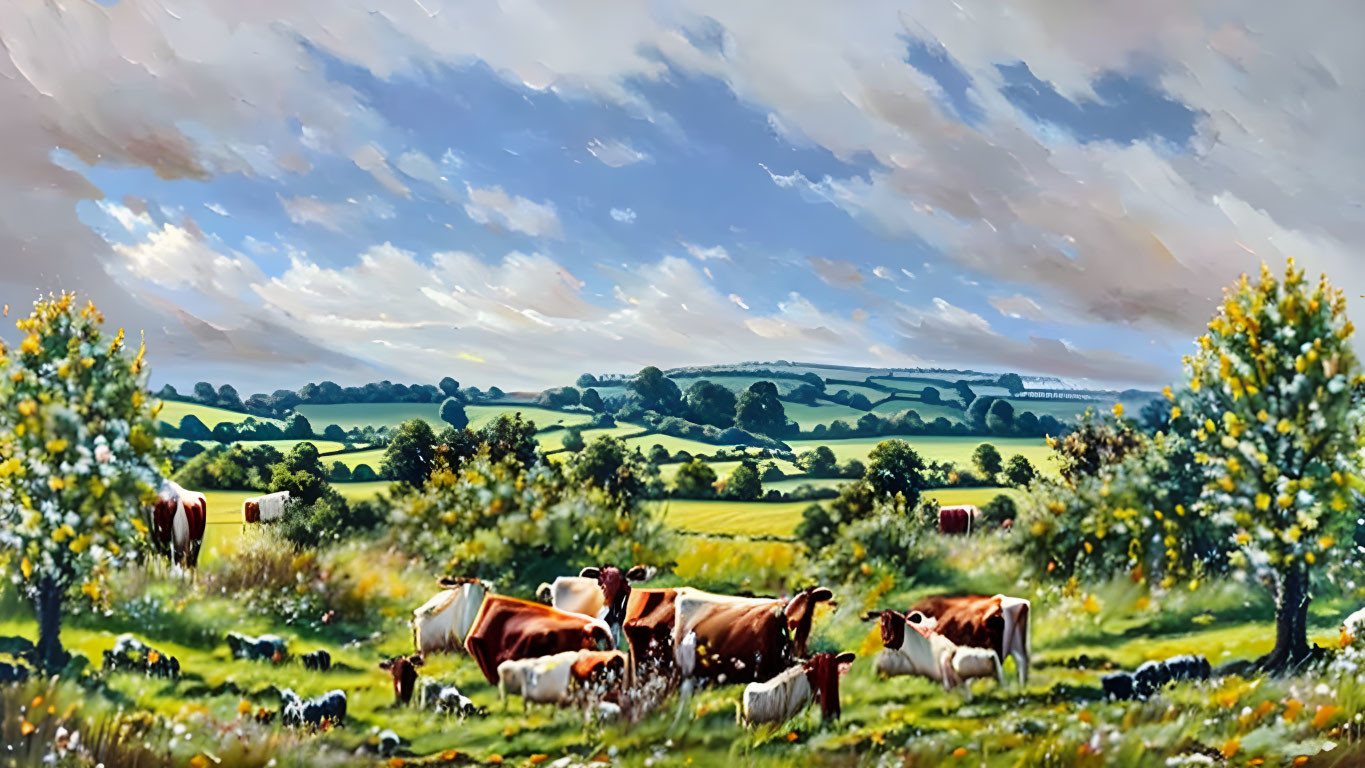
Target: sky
(517,192)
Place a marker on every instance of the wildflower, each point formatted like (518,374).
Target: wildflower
(1263,501)
(1175,412)
(27,407)
(26,567)
(1166,390)
(30,344)
(1118,410)
(1284,427)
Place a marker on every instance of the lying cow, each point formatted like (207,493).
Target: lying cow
(998,622)
(958,519)
(912,647)
(403,670)
(507,629)
(131,654)
(329,708)
(445,698)
(178,521)
(265,509)
(264,648)
(785,696)
(319,660)
(1152,676)
(443,621)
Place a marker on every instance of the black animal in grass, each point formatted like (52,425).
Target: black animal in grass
(329,708)
(132,655)
(318,660)
(264,648)
(13,673)
(1152,676)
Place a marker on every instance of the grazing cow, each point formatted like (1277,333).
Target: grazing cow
(265,509)
(318,660)
(957,519)
(445,698)
(926,653)
(263,648)
(602,593)
(132,654)
(648,628)
(1118,686)
(507,628)
(783,697)
(999,622)
(691,606)
(178,520)
(403,670)
(387,742)
(329,708)
(443,621)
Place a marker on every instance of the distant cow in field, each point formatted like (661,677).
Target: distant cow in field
(998,622)
(178,521)
(264,648)
(507,628)
(783,697)
(318,660)
(265,509)
(296,711)
(958,519)
(443,621)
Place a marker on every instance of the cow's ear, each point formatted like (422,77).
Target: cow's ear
(638,573)
(821,593)
(386,664)
(589,573)
(871,615)
(416,661)
(915,617)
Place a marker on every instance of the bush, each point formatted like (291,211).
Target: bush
(987,459)
(771,472)
(997,511)
(573,441)
(695,480)
(891,541)
(339,473)
(452,412)
(364,473)
(743,484)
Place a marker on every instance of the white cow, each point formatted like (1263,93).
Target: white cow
(777,700)
(925,653)
(542,680)
(442,623)
(265,509)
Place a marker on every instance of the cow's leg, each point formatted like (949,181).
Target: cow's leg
(1021,664)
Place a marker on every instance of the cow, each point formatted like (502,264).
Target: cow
(912,647)
(799,612)
(318,660)
(783,697)
(998,622)
(132,654)
(648,628)
(403,670)
(602,593)
(957,519)
(507,628)
(445,698)
(295,711)
(443,621)
(178,520)
(265,509)
(264,648)
(1152,676)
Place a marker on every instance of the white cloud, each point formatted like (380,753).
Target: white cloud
(416,165)
(176,258)
(217,208)
(615,153)
(623,215)
(738,301)
(125,216)
(702,253)
(491,205)
(371,159)
(1020,306)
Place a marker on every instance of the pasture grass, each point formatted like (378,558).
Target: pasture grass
(823,412)
(750,518)
(955,449)
(172,411)
(348,415)
(978,496)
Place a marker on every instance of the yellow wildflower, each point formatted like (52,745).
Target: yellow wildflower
(1118,410)
(1263,501)
(55,483)
(30,344)
(1243,539)
(56,446)
(1175,412)
(1166,390)
(1209,426)
(1284,427)
(1284,501)
(27,407)
(26,567)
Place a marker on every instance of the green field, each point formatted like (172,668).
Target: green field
(750,518)
(794,481)
(926,412)
(822,413)
(872,395)
(373,457)
(172,411)
(675,444)
(978,496)
(955,449)
(350,415)
(723,469)
(553,441)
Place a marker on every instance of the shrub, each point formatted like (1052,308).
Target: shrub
(363,473)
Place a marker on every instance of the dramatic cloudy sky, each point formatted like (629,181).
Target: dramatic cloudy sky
(515,192)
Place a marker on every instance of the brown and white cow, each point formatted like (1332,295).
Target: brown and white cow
(958,519)
(998,622)
(403,670)
(265,509)
(783,697)
(178,521)
(648,628)
(912,647)
(602,593)
(507,628)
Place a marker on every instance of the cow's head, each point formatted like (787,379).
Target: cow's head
(403,669)
(615,586)
(893,629)
(800,611)
(822,672)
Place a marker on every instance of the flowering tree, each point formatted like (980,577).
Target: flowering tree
(1270,399)
(79,459)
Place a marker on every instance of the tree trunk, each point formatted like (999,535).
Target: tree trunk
(1291,623)
(47,605)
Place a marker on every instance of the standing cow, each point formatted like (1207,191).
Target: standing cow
(507,628)
(265,509)
(443,621)
(602,593)
(178,521)
(958,519)
(998,622)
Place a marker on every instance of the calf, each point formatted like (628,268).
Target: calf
(1152,676)
(783,697)
(1118,686)
(443,621)
(318,660)
(403,670)
(562,678)
(445,698)
(998,622)
(329,708)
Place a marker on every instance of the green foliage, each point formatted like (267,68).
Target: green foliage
(655,391)
(364,473)
(893,467)
(1019,471)
(658,454)
(339,473)
(452,413)
(1000,417)
(709,403)
(511,435)
(744,484)
(193,428)
(573,441)
(491,518)
(891,539)
(297,427)
(1012,382)
(591,400)
(695,480)
(930,396)
(79,458)
(998,510)
(558,397)
(230,468)
(1094,443)
(586,380)
(978,410)
(758,410)
(302,473)
(410,455)
(987,459)
(817,462)
(771,473)
(448,386)
(610,465)
(334,433)
(852,469)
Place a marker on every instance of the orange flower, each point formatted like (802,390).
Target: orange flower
(1230,748)
(1323,716)
(1084,716)
(495,759)
(27,728)
(397,762)
(1301,760)
(960,752)
(199,761)
(791,736)
(537,759)
(1292,709)
(37,702)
